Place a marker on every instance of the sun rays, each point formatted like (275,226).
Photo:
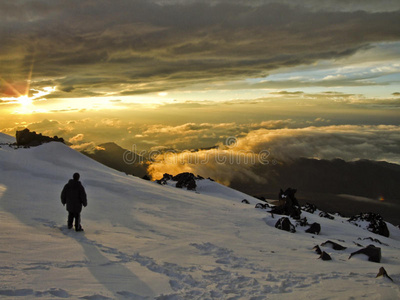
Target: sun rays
(23,94)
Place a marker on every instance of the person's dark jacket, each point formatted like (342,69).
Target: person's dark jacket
(74,195)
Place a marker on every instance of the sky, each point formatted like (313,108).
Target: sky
(307,78)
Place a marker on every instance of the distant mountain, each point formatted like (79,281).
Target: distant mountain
(333,185)
(112,155)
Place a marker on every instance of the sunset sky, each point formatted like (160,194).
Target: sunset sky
(305,78)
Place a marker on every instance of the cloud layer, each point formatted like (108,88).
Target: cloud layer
(281,146)
(94,48)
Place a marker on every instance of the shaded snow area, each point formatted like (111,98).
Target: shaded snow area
(143,240)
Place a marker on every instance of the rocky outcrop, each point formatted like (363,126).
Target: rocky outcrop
(187,180)
(376,223)
(291,206)
(29,138)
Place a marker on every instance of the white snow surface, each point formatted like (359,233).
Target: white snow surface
(147,241)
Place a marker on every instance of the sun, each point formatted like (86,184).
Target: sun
(24,100)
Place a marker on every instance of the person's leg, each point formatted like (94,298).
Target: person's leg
(70,219)
(78,226)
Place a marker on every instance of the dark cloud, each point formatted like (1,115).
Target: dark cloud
(157,45)
(331,5)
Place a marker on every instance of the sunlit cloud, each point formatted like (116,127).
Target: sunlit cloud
(281,146)
(77,138)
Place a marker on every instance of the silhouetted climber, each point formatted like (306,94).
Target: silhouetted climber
(74,195)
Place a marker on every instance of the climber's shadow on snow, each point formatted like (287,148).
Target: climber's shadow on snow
(113,275)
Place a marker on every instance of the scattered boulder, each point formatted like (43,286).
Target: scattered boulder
(29,138)
(325,256)
(373,240)
(310,208)
(291,207)
(317,249)
(323,214)
(262,205)
(333,245)
(382,272)
(373,253)
(315,228)
(376,223)
(245,201)
(285,224)
(302,222)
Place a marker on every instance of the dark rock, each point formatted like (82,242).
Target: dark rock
(317,249)
(315,228)
(382,272)
(373,240)
(325,256)
(310,208)
(146,177)
(245,201)
(376,223)
(373,253)
(302,222)
(164,179)
(291,207)
(29,138)
(334,245)
(323,214)
(284,224)
(262,205)
(185,180)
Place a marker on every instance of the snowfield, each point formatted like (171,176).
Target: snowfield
(143,240)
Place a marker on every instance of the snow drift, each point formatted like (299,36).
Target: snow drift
(143,240)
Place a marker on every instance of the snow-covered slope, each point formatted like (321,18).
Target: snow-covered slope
(147,241)
(5,138)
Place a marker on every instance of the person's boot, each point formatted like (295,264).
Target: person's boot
(79,228)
